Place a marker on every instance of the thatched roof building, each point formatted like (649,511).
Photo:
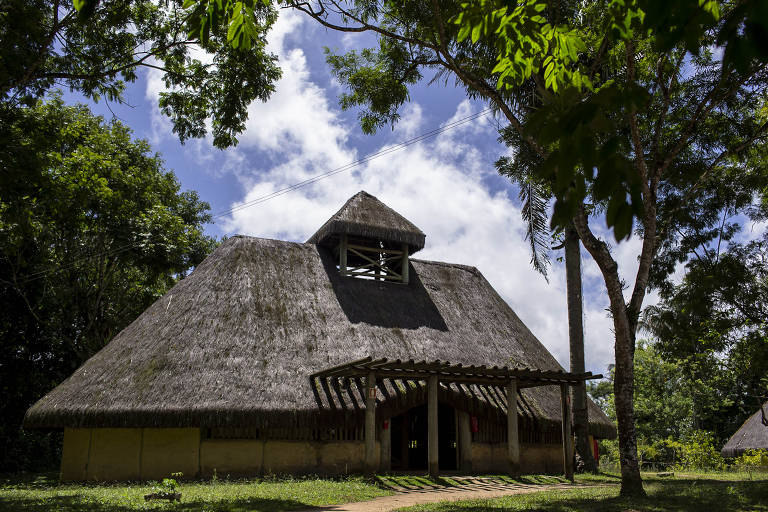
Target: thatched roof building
(233,345)
(752,435)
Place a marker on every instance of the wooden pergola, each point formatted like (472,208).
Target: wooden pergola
(435,372)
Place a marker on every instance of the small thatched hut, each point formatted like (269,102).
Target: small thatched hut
(752,435)
(337,355)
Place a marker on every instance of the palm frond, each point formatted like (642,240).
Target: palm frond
(535,206)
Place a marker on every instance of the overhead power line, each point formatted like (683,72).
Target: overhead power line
(259,200)
(356,163)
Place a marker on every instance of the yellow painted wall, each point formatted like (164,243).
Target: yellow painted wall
(245,456)
(115,454)
(74,454)
(541,458)
(129,453)
(230,456)
(534,458)
(152,454)
(170,450)
(346,457)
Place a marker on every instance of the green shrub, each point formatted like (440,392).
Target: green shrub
(752,458)
(694,452)
(698,452)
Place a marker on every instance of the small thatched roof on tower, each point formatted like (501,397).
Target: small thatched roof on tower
(753,435)
(363,215)
(234,345)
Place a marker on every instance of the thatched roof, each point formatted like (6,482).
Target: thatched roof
(753,435)
(363,215)
(234,343)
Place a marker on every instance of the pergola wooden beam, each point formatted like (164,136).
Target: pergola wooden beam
(435,372)
(397,369)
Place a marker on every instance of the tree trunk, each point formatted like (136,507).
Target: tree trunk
(576,339)
(623,382)
(623,390)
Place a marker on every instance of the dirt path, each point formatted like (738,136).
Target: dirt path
(476,488)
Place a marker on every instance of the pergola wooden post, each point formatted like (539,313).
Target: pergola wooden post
(343,255)
(465,442)
(404,270)
(513,441)
(370,423)
(385,447)
(567,437)
(432,447)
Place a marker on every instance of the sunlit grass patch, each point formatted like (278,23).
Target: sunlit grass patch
(706,492)
(44,494)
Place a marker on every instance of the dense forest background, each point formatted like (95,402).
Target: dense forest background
(93,230)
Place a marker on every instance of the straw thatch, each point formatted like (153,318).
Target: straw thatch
(234,343)
(753,435)
(363,215)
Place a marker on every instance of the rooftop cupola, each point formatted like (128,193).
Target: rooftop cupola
(371,240)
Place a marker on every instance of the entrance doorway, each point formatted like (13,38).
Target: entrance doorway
(409,439)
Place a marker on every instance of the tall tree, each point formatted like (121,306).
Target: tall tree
(714,326)
(536,199)
(93,229)
(48,43)
(633,106)
(572,247)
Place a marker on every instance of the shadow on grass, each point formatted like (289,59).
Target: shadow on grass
(681,495)
(415,483)
(78,503)
(29,480)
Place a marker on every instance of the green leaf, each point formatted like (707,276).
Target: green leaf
(476,31)
(85,8)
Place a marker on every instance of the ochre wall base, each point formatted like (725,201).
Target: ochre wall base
(534,458)
(105,454)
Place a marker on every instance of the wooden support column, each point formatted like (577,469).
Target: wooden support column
(404,270)
(465,442)
(370,423)
(432,447)
(565,408)
(343,254)
(385,440)
(513,440)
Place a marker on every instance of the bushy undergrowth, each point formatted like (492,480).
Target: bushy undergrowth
(752,458)
(697,451)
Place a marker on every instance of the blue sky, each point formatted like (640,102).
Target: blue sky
(446,185)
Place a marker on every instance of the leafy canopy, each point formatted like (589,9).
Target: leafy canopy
(93,229)
(584,157)
(213,67)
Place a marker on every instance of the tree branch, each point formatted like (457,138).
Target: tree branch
(649,205)
(44,49)
(363,26)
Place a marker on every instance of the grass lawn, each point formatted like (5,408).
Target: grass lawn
(700,492)
(712,492)
(43,493)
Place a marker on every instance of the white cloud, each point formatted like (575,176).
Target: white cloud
(160,125)
(411,122)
